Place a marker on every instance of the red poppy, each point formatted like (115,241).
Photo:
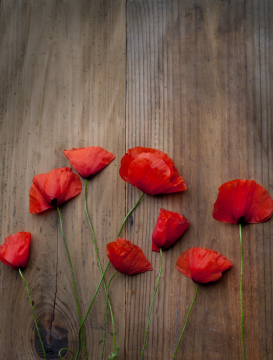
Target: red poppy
(127,258)
(242,202)
(202,265)
(152,171)
(89,161)
(168,229)
(15,250)
(53,189)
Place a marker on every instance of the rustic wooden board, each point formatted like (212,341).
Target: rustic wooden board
(195,82)
(199,77)
(62,86)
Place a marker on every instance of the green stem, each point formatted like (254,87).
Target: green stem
(35,321)
(98,258)
(129,213)
(74,282)
(150,311)
(185,322)
(241,292)
(90,306)
(66,350)
(106,317)
(122,226)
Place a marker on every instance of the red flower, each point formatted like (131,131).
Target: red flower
(15,250)
(168,229)
(242,202)
(152,171)
(53,189)
(127,258)
(202,265)
(89,161)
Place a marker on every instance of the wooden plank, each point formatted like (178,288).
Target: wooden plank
(199,77)
(62,86)
(198,88)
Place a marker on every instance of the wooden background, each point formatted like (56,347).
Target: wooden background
(191,78)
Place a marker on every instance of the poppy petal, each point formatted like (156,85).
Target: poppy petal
(222,262)
(203,266)
(39,180)
(89,161)
(51,189)
(4,261)
(259,205)
(174,228)
(183,263)
(70,185)
(130,156)
(176,185)
(127,258)
(61,185)
(37,202)
(242,201)
(15,250)
(150,176)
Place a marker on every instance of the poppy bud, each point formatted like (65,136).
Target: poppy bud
(168,229)
(127,258)
(15,250)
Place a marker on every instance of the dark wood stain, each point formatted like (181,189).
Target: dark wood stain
(54,339)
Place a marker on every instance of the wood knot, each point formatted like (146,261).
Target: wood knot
(54,337)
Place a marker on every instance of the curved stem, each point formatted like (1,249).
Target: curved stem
(129,213)
(241,292)
(185,322)
(66,350)
(74,282)
(108,302)
(35,321)
(150,311)
(97,253)
(90,306)
(106,317)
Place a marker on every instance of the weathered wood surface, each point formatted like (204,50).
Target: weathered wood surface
(191,78)
(62,86)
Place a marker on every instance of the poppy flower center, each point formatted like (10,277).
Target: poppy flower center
(242,220)
(54,202)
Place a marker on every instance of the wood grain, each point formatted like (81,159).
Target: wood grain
(62,86)
(199,77)
(191,78)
